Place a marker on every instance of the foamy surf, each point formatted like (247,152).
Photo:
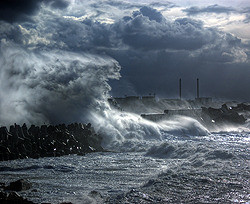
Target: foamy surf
(123,131)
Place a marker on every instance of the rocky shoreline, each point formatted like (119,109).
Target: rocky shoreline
(224,115)
(9,195)
(20,142)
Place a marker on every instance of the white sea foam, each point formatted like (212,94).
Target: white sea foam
(182,125)
(189,150)
(123,131)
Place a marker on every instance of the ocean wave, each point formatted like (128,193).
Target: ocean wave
(197,154)
(123,131)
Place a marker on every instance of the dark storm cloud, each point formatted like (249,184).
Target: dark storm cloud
(125,5)
(59,4)
(18,10)
(159,71)
(68,34)
(209,9)
(163,51)
(151,13)
(11,32)
(147,29)
(153,51)
(166,5)
(22,10)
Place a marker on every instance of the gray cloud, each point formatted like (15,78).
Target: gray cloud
(246,11)
(163,51)
(59,4)
(119,4)
(158,72)
(70,62)
(209,9)
(18,10)
(11,32)
(147,29)
(165,4)
(22,10)
(151,13)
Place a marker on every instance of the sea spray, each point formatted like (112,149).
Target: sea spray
(51,86)
(183,125)
(124,131)
(60,86)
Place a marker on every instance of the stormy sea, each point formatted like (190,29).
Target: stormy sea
(177,160)
(162,156)
(124,101)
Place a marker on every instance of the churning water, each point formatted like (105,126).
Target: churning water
(176,165)
(174,161)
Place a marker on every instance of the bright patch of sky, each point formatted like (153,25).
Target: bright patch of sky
(232,22)
(106,11)
(233,3)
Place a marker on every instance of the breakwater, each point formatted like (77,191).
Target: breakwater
(20,142)
(210,117)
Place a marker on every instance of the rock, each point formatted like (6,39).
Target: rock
(241,107)
(25,129)
(2,185)
(13,131)
(33,130)
(19,185)
(224,108)
(3,195)
(88,126)
(222,115)
(44,129)
(19,131)
(95,194)
(66,203)
(48,141)
(14,196)
(3,133)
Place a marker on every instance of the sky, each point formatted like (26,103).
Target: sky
(126,47)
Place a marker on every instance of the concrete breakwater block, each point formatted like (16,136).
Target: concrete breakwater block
(21,142)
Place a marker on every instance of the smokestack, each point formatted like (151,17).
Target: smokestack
(180,87)
(198,88)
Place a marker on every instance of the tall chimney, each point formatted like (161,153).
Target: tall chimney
(180,87)
(198,88)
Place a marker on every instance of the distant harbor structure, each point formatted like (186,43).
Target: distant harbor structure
(201,100)
(133,99)
(180,88)
(152,108)
(152,100)
(198,89)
